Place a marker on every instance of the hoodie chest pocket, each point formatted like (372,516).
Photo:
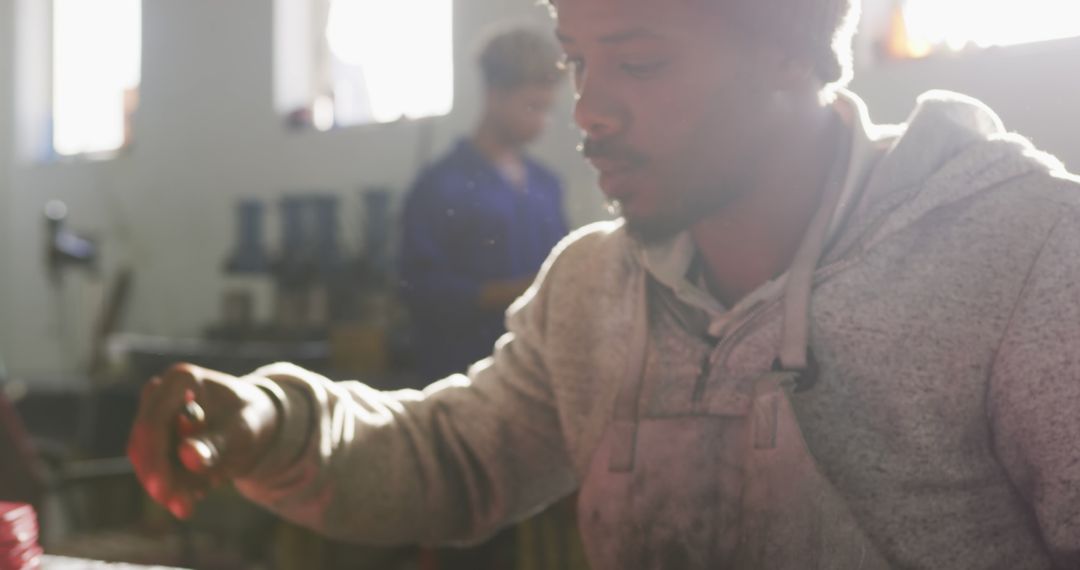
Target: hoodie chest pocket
(683,378)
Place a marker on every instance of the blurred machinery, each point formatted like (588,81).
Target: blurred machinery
(313,288)
(64,247)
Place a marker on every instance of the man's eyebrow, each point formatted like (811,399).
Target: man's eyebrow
(630,35)
(615,38)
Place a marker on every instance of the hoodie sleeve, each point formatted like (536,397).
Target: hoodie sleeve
(450,464)
(1034,399)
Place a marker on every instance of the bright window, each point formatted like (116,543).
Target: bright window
(349,62)
(97,59)
(933,25)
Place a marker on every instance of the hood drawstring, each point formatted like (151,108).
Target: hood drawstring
(795,353)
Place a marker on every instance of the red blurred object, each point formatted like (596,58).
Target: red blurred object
(19,549)
(23,559)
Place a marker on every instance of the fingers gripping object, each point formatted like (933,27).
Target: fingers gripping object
(197,453)
(192,418)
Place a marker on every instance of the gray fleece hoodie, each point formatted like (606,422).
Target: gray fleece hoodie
(944,319)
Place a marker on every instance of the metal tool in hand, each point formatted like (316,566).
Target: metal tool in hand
(196,452)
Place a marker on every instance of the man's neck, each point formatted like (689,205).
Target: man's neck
(754,239)
(489,141)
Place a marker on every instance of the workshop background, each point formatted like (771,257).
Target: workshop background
(236,128)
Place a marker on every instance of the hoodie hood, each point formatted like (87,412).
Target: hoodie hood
(951,148)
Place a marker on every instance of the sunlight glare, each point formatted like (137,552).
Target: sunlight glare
(957,24)
(405,48)
(97,61)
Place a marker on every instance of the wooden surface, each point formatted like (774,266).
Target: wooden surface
(62,563)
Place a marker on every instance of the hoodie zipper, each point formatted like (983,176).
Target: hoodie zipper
(723,347)
(726,345)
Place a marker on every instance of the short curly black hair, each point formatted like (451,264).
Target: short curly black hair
(519,57)
(821,31)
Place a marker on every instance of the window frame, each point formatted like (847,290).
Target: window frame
(903,44)
(305,66)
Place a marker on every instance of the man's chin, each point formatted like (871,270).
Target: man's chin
(654,229)
(653,222)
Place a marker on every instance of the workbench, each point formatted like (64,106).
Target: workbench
(63,563)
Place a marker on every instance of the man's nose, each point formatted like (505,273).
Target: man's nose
(596,112)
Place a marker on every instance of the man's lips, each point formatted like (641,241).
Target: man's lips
(609,157)
(613,175)
(609,166)
(616,164)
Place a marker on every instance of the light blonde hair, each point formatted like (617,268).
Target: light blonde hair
(520,57)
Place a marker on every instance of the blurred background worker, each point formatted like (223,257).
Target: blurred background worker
(477,226)
(479,222)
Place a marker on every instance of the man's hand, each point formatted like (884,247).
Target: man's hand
(196,428)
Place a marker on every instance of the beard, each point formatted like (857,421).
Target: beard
(690,185)
(654,229)
(679,214)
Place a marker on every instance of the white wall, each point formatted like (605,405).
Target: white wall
(1035,89)
(6,117)
(206,133)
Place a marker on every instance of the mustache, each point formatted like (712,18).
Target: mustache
(610,149)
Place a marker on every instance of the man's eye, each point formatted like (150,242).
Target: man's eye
(644,70)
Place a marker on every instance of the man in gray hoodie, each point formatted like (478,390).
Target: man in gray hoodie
(809,342)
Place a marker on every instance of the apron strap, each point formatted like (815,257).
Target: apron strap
(628,402)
